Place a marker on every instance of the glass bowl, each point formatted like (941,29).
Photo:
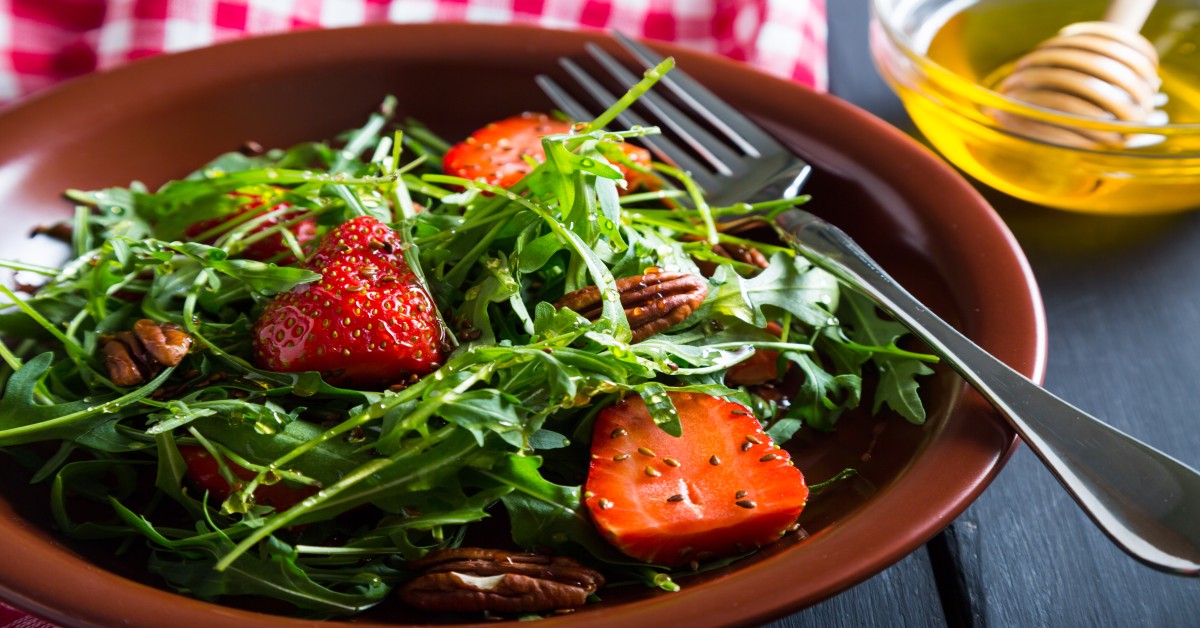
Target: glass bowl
(940,56)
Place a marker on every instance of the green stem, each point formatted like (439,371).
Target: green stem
(73,348)
(651,77)
(323,499)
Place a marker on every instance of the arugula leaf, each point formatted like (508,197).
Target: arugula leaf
(22,420)
(276,573)
(548,514)
(259,276)
(898,371)
(789,283)
(822,397)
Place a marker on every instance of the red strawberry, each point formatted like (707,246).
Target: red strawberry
(368,322)
(760,368)
(496,153)
(203,471)
(267,248)
(720,489)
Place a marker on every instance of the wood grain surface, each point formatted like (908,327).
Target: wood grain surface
(1122,300)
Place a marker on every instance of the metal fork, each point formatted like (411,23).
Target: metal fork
(1145,501)
(763,170)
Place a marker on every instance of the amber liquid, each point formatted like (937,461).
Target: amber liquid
(980,42)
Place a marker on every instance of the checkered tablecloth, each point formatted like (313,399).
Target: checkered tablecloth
(45,42)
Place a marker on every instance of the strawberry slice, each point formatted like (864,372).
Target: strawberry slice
(496,153)
(204,472)
(267,248)
(720,489)
(368,322)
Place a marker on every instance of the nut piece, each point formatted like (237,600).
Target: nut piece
(653,302)
(166,343)
(740,253)
(479,580)
(123,370)
(729,250)
(131,357)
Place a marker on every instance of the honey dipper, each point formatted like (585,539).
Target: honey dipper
(1104,70)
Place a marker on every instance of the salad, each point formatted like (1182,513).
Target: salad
(497,375)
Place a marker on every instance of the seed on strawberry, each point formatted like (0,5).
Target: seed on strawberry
(368,322)
(496,154)
(727,488)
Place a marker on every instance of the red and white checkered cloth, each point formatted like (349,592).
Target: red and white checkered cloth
(43,42)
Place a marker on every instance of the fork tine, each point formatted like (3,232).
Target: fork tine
(562,99)
(664,148)
(740,129)
(704,143)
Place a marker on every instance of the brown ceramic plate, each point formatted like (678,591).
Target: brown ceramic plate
(160,118)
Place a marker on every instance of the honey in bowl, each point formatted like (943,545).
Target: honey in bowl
(975,44)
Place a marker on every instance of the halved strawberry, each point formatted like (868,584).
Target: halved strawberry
(269,247)
(205,473)
(496,153)
(368,322)
(720,489)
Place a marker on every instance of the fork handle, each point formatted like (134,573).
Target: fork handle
(1145,501)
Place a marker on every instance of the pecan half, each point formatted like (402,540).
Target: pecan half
(743,254)
(133,356)
(729,250)
(653,302)
(478,580)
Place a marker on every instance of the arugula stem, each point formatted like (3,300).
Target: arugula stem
(474,224)
(656,195)
(458,274)
(107,407)
(648,81)
(697,197)
(683,227)
(19,266)
(322,500)
(73,348)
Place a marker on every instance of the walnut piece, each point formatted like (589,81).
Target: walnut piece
(479,580)
(131,357)
(653,302)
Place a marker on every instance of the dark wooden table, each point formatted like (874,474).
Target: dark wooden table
(1122,302)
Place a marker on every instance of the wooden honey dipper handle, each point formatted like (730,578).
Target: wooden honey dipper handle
(1129,14)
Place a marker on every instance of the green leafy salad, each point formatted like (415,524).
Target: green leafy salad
(301,373)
